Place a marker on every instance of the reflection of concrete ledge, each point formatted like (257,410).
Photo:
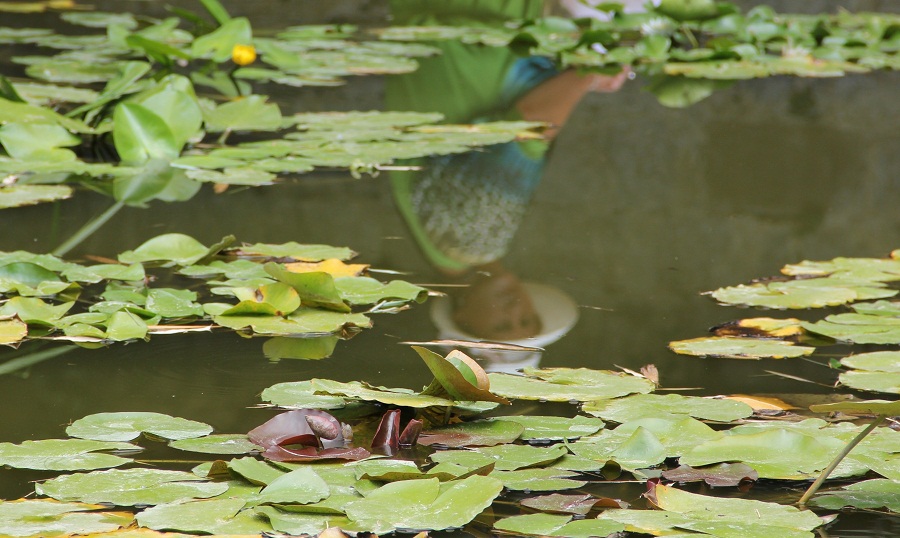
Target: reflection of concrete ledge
(558,314)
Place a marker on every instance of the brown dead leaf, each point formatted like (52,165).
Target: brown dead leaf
(651,373)
(332,266)
(760,327)
(219,188)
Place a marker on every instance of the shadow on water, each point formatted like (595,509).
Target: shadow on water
(632,212)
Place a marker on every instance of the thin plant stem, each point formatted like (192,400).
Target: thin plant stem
(89,228)
(837,460)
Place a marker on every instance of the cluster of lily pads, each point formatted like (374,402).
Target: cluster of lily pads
(861,284)
(305,470)
(148,134)
(283,290)
(693,47)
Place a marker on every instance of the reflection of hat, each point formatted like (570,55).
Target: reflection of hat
(558,314)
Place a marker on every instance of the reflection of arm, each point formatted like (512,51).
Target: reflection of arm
(554,99)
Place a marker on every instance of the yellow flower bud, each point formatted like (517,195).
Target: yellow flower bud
(243,54)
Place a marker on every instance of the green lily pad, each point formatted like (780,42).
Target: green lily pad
(810,293)
(544,428)
(878,308)
(255,471)
(126,426)
(364,290)
(667,406)
(173,303)
(868,494)
(44,517)
(566,504)
(877,371)
(250,113)
(124,325)
(107,271)
(34,310)
(223,443)
(858,328)
(300,395)
(315,288)
(873,407)
(179,249)
(309,524)
(22,195)
(244,175)
(297,251)
(299,486)
(739,348)
(302,322)
(129,487)
(363,391)
(425,504)
(677,435)
(558,525)
(512,457)
(567,384)
(63,454)
(457,375)
(214,516)
(477,433)
(874,269)
(529,480)
(773,453)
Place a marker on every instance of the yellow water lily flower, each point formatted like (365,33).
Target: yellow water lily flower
(243,54)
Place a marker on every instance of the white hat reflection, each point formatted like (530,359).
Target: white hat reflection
(558,314)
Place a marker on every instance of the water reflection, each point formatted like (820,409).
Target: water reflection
(464,210)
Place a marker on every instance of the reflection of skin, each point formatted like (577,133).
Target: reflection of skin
(496,306)
(553,100)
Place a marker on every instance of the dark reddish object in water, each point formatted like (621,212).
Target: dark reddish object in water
(293,428)
(388,433)
(410,434)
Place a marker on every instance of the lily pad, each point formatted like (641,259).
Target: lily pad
(296,251)
(44,517)
(667,406)
(877,371)
(223,443)
(529,480)
(858,328)
(544,428)
(300,394)
(364,290)
(811,293)
(22,195)
(476,433)
(567,384)
(299,486)
(129,487)
(362,391)
(64,454)
(739,348)
(126,426)
(718,475)
(566,504)
(424,504)
(868,494)
(12,331)
(557,525)
(176,248)
(214,516)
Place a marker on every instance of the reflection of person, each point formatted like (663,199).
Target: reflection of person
(464,209)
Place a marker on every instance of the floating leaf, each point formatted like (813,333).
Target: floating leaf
(773,453)
(452,378)
(544,428)
(529,480)
(424,504)
(810,293)
(858,328)
(223,443)
(395,396)
(297,251)
(44,517)
(718,475)
(302,322)
(178,248)
(214,516)
(667,406)
(567,504)
(126,426)
(870,407)
(476,433)
(12,331)
(363,290)
(557,525)
(63,454)
(300,348)
(299,486)
(739,348)
(868,494)
(250,113)
(129,487)
(300,394)
(877,371)
(760,327)
(244,175)
(22,195)
(565,384)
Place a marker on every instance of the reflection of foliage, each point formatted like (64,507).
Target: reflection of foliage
(295,296)
(149,114)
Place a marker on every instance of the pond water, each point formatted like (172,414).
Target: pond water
(637,210)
